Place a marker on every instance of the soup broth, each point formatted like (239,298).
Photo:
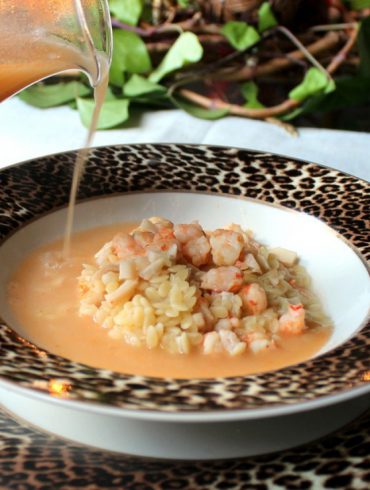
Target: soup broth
(44,298)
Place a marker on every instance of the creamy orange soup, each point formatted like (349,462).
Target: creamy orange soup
(44,299)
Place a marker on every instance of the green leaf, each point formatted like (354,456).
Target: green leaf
(158,101)
(129,54)
(363,42)
(359,4)
(249,91)
(200,112)
(116,74)
(349,92)
(266,17)
(183,3)
(127,11)
(44,96)
(186,49)
(113,112)
(240,35)
(138,85)
(315,81)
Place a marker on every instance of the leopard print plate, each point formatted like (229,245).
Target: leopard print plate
(31,189)
(31,460)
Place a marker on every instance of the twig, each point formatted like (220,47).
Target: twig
(159,46)
(326,42)
(211,38)
(138,30)
(289,128)
(163,28)
(238,110)
(341,56)
(332,27)
(165,44)
(302,48)
(208,29)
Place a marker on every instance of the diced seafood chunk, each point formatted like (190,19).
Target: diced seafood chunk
(293,321)
(222,279)
(249,263)
(226,246)
(124,245)
(195,246)
(212,343)
(254,298)
(231,342)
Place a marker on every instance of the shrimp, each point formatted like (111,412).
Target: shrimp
(164,240)
(194,243)
(293,321)
(161,240)
(254,298)
(156,236)
(226,246)
(124,245)
(222,279)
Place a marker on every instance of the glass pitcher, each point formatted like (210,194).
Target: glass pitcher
(40,38)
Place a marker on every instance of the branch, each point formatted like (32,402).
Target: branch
(150,30)
(237,110)
(165,44)
(340,57)
(302,48)
(326,42)
(289,128)
(332,27)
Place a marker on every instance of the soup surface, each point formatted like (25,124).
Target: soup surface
(44,298)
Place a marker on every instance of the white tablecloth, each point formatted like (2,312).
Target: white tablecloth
(26,132)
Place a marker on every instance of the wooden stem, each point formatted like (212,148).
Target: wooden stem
(238,110)
(326,42)
(340,57)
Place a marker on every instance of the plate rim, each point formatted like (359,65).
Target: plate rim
(225,415)
(255,154)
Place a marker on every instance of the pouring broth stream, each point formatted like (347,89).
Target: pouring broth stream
(99,95)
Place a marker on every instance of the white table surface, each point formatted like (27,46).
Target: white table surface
(26,132)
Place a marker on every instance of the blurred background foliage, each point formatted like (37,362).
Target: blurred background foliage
(289,62)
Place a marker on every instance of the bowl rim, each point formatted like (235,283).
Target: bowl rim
(191,416)
(257,153)
(273,409)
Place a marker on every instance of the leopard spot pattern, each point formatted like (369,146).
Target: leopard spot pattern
(31,189)
(31,460)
